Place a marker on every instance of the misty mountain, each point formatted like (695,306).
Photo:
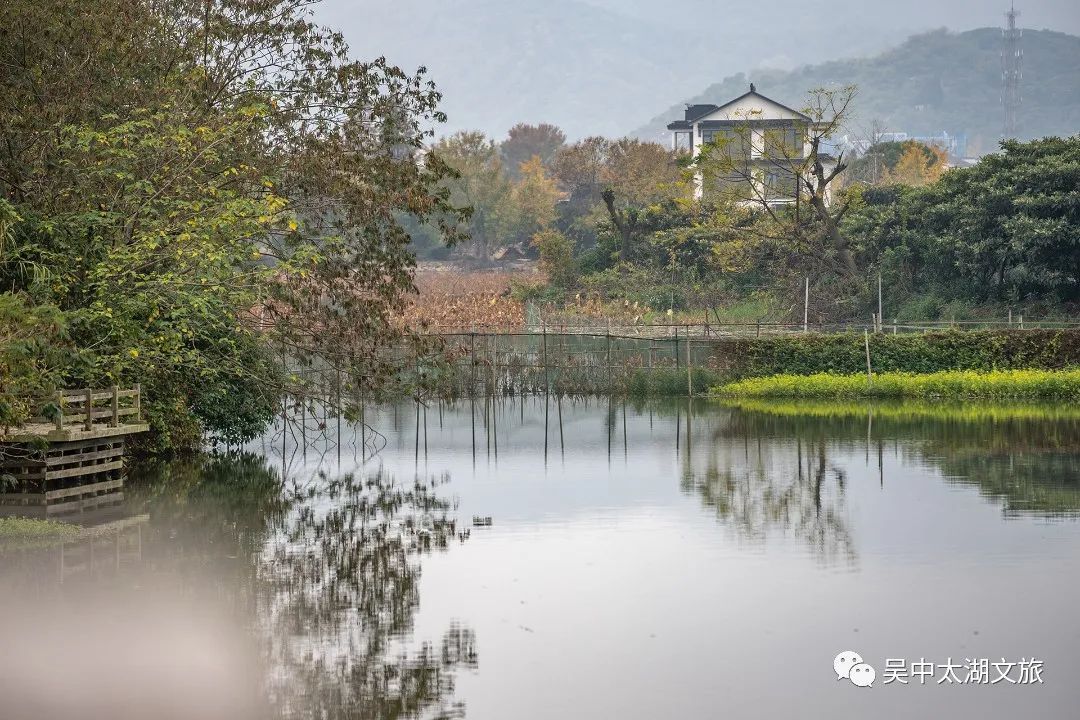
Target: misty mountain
(594,67)
(934,82)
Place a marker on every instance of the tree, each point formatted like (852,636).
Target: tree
(918,165)
(556,257)
(580,169)
(1006,228)
(534,197)
(481,184)
(211,194)
(627,175)
(811,228)
(528,141)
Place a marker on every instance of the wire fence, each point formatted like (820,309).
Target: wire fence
(589,357)
(512,363)
(606,328)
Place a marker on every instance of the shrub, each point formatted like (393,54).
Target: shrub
(915,353)
(556,258)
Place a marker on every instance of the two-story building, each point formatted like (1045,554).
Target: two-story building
(755,147)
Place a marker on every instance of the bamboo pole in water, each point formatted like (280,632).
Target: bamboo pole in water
(545,428)
(494,428)
(544,359)
(869,375)
(689,370)
(472,362)
(562,445)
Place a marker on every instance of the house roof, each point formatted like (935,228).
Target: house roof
(692,113)
(696,112)
(753,91)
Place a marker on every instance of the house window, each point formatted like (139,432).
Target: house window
(757,142)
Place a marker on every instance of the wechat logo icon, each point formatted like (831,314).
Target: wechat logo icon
(849,665)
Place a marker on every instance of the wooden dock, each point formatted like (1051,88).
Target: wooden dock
(69,459)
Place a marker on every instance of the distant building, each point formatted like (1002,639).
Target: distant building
(953,144)
(765,144)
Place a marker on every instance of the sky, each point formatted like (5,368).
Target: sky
(608,66)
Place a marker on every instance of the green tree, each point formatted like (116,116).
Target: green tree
(480,183)
(527,141)
(628,178)
(534,196)
(212,194)
(1006,228)
(556,257)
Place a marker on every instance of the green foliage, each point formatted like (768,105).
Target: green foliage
(526,141)
(556,258)
(198,195)
(669,382)
(845,353)
(1006,229)
(1051,384)
(32,354)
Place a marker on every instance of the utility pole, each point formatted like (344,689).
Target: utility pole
(1011,72)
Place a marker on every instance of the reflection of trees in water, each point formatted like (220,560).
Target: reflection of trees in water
(800,493)
(330,571)
(339,587)
(1029,460)
(1044,484)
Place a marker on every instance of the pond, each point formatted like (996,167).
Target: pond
(575,558)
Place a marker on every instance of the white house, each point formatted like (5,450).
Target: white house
(764,144)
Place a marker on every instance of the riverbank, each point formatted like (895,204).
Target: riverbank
(953,384)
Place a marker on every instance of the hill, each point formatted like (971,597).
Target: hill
(932,82)
(601,67)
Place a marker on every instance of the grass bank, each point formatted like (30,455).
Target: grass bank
(958,384)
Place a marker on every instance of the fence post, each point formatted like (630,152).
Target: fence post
(138,402)
(89,408)
(547,378)
(115,406)
(472,362)
(607,334)
(689,371)
(869,374)
(1021,321)
(678,363)
(806,307)
(495,364)
(59,409)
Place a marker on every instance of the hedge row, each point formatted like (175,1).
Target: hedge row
(914,353)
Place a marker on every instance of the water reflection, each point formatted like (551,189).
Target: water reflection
(760,498)
(1022,456)
(338,591)
(619,529)
(321,574)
